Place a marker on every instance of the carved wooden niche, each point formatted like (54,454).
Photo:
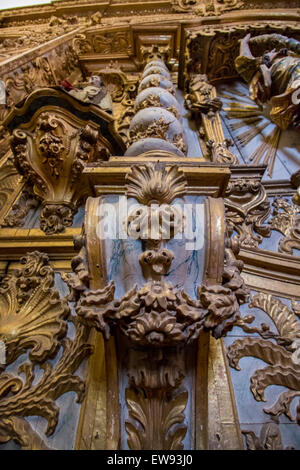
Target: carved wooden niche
(153,289)
(53,137)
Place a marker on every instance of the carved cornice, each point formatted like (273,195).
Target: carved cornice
(208,178)
(15,243)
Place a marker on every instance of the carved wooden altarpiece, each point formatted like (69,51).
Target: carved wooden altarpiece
(149,225)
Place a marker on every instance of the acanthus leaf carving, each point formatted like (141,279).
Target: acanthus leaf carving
(247,208)
(283,365)
(156,400)
(31,314)
(269,438)
(16,396)
(286,220)
(21,208)
(20,431)
(34,318)
(158,314)
(9,184)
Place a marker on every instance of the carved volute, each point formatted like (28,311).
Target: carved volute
(53,137)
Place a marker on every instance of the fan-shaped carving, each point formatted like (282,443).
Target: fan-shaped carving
(31,312)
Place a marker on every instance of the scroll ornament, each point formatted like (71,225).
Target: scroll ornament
(157,313)
(268,439)
(278,349)
(247,209)
(286,220)
(33,318)
(51,159)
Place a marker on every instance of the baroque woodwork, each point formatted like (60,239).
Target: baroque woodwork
(51,151)
(34,319)
(268,439)
(247,209)
(281,354)
(153,312)
(286,219)
(202,99)
(156,319)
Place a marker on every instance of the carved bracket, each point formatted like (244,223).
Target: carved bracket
(52,146)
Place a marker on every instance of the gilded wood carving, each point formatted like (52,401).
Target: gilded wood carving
(51,151)
(286,220)
(247,209)
(33,318)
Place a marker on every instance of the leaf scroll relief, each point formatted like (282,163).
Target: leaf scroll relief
(156,401)
(268,439)
(247,209)
(157,318)
(34,318)
(279,350)
(286,220)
